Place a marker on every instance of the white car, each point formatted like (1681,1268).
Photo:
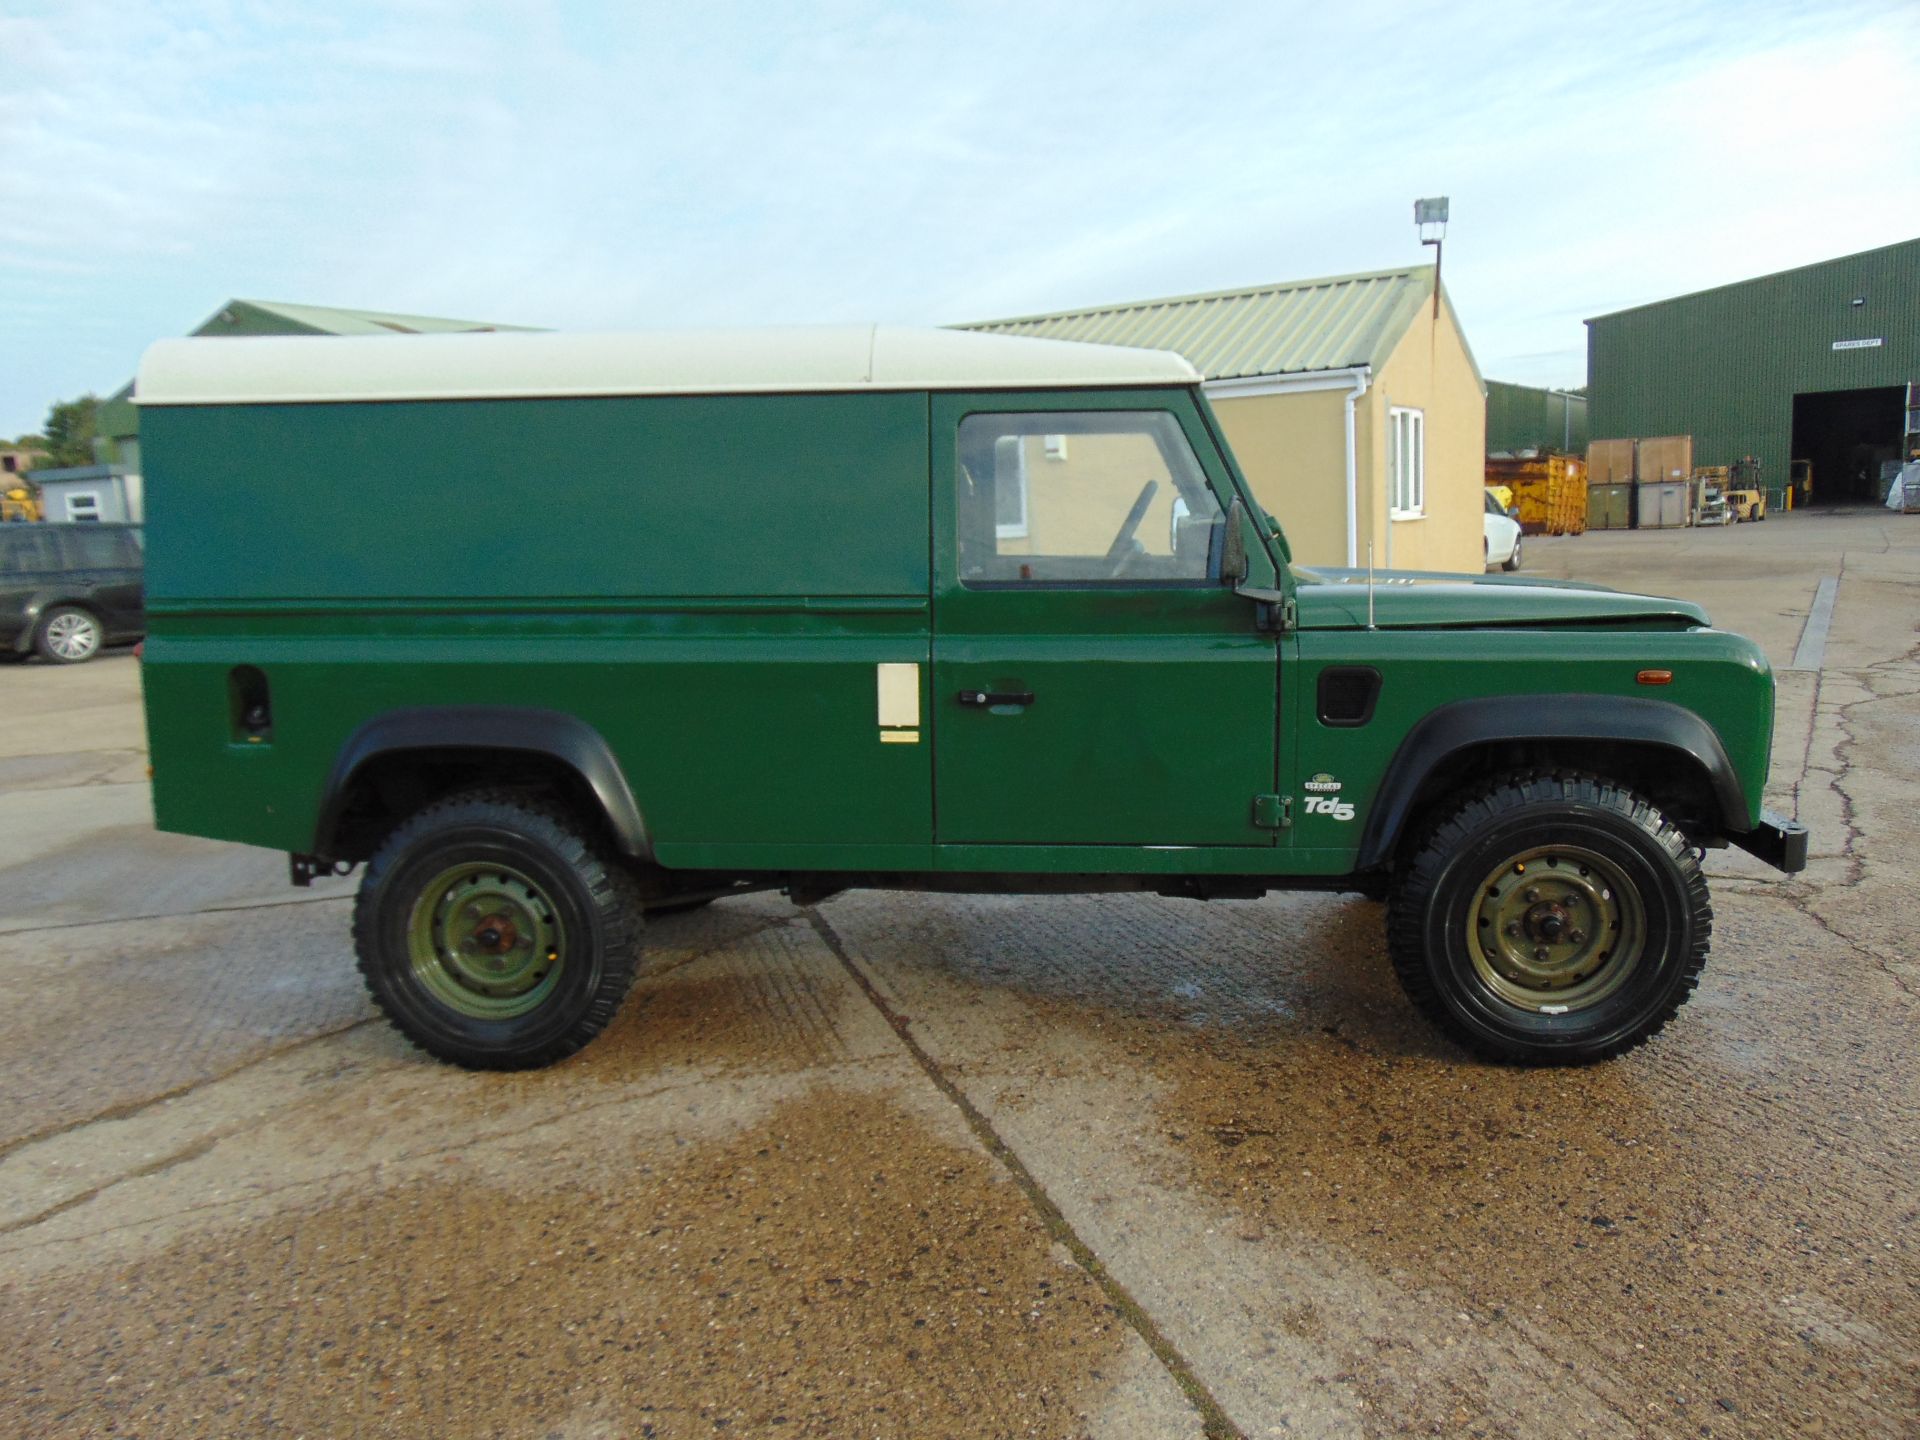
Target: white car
(1502,536)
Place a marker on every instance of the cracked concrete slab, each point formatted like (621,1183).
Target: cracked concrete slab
(929,1166)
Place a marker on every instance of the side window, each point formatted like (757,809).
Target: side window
(94,549)
(83,505)
(1406,462)
(1083,498)
(29,551)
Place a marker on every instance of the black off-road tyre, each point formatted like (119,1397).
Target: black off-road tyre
(1550,918)
(495,933)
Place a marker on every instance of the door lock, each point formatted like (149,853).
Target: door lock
(988,698)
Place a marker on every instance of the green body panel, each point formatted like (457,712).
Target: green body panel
(1399,599)
(652,565)
(1721,677)
(710,582)
(534,499)
(729,725)
(1155,717)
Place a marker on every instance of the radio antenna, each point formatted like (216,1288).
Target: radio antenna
(1370,624)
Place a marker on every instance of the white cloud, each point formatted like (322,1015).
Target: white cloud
(731,163)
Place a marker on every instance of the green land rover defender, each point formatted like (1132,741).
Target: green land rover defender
(551,631)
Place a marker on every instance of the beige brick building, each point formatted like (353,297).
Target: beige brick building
(1353,403)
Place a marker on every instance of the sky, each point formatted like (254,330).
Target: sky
(611,165)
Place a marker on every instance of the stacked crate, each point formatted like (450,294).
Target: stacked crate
(1611,468)
(1550,491)
(1643,483)
(1663,498)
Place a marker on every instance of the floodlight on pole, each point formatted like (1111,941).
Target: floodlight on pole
(1430,216)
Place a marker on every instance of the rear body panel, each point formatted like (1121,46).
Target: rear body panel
(398,555)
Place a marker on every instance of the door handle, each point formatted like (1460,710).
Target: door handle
(985,698)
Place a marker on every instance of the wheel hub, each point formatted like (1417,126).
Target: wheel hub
(486,940)
(1547,923)
(1556,927)
(497,934)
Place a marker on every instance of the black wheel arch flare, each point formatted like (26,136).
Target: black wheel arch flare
(450,729)
(1460,725)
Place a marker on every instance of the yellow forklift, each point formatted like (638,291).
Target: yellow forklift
(1746,500)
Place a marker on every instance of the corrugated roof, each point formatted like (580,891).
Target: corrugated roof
(328,320)
(1328,324)
(1880,252)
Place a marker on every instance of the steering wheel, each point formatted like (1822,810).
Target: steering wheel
(1121,550)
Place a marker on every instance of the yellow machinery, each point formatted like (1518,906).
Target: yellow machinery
(1707,496)
(1799,484)
(19,503)
(1745,499)
(1550,491)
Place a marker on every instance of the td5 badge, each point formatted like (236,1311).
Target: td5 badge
(1323,797)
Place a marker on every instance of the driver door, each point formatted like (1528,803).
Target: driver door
(1094,684)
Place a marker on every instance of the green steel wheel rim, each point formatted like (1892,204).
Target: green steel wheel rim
(1556,928)
(485,940)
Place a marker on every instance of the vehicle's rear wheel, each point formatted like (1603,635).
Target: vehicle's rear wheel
(494,934)
(1512,562)
(1550,918)
(67,635)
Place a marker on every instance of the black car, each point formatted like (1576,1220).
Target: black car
(66,590)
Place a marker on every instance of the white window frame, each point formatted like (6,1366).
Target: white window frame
(1016,446)
(1406,462)
(90,498)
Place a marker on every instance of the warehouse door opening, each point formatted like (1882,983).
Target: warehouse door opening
(1848,436)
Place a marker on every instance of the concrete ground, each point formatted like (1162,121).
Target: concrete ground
(928,1166)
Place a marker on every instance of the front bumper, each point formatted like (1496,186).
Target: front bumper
(1781,842)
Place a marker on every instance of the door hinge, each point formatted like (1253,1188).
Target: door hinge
(1273,812)
(1278,617)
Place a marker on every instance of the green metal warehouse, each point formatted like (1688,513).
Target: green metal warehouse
(1820,364)
(1525,417)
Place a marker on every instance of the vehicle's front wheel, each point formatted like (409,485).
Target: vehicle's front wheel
(1550,918)
(494,934)
(68,635)
(1512,562)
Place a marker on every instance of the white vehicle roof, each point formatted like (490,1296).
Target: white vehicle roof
(223,370)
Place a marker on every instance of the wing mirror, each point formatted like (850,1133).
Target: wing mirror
(1233,549)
